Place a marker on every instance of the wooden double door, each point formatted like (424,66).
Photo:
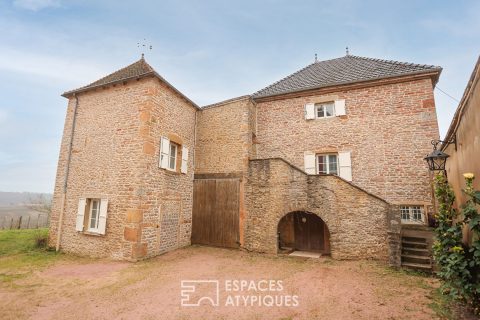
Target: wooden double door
(310,232)
(215,216)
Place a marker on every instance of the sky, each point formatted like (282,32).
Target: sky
(209,50)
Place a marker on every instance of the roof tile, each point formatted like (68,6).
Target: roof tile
(347,69)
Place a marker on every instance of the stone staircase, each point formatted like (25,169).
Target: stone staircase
(416,253)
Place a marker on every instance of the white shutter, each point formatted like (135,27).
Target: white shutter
(102,219)
(80,214)
(309,111)
(340,107)
(309,162)
(164,152)
(183,169)
(345,163)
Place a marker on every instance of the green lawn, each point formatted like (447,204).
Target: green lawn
(20,254)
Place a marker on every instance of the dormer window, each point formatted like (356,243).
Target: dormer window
(324,110)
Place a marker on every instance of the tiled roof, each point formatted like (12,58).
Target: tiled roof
(344,70)
(138,69)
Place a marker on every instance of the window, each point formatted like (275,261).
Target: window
(94,215)
(169,155)
(324,110)
(411,214)
(327,163)
(172,156)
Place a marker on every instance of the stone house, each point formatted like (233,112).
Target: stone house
(328,159)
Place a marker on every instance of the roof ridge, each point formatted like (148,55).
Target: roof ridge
(395,62)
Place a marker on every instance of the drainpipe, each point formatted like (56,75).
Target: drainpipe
(194,141)
(67,171)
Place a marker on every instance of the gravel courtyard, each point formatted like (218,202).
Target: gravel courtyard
(79,288)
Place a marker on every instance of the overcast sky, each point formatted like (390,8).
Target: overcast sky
(210,50)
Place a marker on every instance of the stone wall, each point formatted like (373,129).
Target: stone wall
(115,155)
(387,128)
(357,220)
(224,137)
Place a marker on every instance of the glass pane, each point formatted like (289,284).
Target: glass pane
(332,165)
(172,163)
(94,215)
(320,112)
(322,165)
(329,110)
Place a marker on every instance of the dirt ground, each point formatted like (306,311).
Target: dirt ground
(302,288)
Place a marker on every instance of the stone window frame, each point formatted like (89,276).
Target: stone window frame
(411,210)
(323,105)
(317,162)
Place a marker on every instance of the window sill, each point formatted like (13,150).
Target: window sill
(92,233)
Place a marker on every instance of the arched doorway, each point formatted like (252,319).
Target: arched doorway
(303,231)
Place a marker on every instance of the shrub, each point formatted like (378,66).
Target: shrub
(458,263)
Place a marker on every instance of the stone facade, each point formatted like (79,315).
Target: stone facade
(357,221)
(115,155)
(387,128)
(261,142)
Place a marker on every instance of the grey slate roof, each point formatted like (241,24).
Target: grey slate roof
(344,70)
(138,69)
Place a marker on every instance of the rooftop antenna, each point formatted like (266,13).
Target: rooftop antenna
(316,57)
(347,52)
(144,46)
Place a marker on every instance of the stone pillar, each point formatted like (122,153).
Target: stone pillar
(394,236)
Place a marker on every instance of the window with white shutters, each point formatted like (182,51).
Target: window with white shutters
(92,215)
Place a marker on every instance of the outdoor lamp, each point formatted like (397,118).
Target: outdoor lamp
(437,159)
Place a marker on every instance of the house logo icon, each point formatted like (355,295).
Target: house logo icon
(195,293)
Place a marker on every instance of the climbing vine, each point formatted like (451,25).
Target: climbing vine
(459,263)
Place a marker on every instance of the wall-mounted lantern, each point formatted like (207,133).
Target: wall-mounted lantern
(437,159)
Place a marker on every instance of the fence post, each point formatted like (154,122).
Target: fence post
(28,223)
(20,222)
(11,223)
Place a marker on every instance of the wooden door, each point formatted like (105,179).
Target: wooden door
(215,216)
(309,232)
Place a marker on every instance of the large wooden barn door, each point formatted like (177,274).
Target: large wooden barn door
(215,219)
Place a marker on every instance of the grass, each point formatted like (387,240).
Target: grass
(20,254)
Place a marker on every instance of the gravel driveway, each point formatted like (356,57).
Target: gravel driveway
(250,286)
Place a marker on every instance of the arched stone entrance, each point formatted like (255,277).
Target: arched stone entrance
(303,231)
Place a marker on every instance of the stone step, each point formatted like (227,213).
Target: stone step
(417,266)
(408,258)
(414,244)
(414,239)
(416,251)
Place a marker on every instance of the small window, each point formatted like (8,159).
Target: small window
(411,214)
(172,157)
(325,110)
(327,163)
